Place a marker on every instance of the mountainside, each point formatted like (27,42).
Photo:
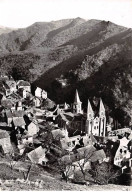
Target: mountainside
(60,56)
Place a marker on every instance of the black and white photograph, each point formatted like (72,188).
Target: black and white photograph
(65,95)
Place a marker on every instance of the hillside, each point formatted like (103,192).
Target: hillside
(55,185)
(12,180)
(93,56)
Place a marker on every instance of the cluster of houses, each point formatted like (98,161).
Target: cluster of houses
(41,135)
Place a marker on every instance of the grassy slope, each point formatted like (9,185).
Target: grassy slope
(50,181)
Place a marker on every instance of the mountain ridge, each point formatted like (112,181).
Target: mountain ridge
(75,50)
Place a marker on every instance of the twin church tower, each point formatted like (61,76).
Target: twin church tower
(95,125)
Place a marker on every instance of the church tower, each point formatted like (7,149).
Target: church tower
(90,118)
(77,105)
(102,118)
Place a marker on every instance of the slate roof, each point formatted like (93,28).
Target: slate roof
(7,103)
(3,134)
(10,82)
(18,122)
(23,83)
(88,138)
(37,154)
(67,116)
(77,99)
(57,134)
(87,151)
(18,113)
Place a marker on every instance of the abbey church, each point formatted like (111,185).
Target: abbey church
(79,123)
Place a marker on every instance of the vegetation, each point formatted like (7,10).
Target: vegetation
(93,54)
(104,173)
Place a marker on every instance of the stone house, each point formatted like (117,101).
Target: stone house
(38,92)
(15,118)
(25,139)
(122,152)
(38,156)
(23,93)
(32,128)
(61,108)
(37,101)
(19,122)
(24,84)
(5,142)
(7,89)
(11,84)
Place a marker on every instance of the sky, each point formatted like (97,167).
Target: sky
(22,13)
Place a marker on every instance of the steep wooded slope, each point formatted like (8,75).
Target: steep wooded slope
(93,56)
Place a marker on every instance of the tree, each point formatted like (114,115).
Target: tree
(27,173)
(104,173)
(83,160)
(65,170)
(12,159)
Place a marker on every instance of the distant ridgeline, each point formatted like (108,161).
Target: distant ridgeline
(60,56)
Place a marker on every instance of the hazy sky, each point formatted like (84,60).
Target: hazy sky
(22,13)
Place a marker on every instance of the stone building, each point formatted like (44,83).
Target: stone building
(40,93)
(77,105)
(96,125)
(24,84)
(33,128)
(79,123)
(5,142)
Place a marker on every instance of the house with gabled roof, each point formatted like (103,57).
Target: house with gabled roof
(33,128)
(11,84)
(38,155)
(24,84)
(15,118)
(40,93)
(5,142)
(122,152)
(19,122)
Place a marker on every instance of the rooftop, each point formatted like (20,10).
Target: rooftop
(3,134)
(23,83)
(37,154)
(18,122)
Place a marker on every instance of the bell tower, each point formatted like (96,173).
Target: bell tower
(90,119)
(77,105)
(102,118)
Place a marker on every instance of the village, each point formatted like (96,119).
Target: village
(37,130)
